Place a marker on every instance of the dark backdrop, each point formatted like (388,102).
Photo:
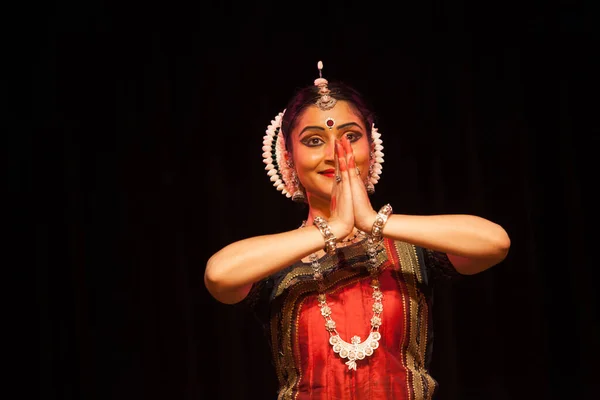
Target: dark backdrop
(144,158)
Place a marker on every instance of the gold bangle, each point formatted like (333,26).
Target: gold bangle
(380,221)
(329,237)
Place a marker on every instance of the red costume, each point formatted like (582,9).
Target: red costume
(307,367)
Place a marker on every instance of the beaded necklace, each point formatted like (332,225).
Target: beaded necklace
(355,349)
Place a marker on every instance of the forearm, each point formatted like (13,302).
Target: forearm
(465,236)
(231,271)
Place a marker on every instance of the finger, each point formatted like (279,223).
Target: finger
(341,155)
(346,186)
(337,161)
(336,157)
(342,178)
(335,190)
(349,152)
(343,189)
(344,172)
(333,205)
(352,169)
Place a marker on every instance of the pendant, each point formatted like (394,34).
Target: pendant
(355,350)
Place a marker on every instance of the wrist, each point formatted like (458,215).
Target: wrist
(379,222)
(340,230)
(366,222)
(328,234)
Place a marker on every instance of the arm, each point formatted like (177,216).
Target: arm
(473,244)
(231,271)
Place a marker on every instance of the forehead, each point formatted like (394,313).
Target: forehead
(342,112)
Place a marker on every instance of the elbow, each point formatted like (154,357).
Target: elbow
(496,251)
(502,244)
(214,278)
(217,284)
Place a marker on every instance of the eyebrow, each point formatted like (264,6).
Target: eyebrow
(308,128)
(311,127)
(348,124)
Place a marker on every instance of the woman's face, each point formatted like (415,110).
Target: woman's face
(313,146)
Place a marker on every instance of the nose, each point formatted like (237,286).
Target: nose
(330,151)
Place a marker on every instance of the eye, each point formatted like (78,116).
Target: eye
(313,141)
(353,136)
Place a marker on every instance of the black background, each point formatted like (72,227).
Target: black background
(138,155)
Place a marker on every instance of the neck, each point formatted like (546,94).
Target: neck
(317,207)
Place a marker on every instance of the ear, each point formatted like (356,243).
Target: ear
(288,159)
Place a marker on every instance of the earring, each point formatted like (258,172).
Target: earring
(297,192)
(369,185)
(298,195)
(368,182)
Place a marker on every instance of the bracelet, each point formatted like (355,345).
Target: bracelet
(329,237)
(380,220)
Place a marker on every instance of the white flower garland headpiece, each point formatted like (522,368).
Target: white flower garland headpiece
(282,174)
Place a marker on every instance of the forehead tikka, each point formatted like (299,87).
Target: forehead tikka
(325,101)
(330,122)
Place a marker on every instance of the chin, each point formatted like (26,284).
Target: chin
(320,195)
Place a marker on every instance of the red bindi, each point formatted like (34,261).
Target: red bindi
(329,122)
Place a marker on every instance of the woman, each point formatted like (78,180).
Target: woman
(346,298)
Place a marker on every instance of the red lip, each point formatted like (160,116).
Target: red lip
(328,172)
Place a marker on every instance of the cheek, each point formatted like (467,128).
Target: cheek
(307,154)
(362,154)
(306,160)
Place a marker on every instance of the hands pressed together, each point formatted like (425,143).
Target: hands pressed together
(350,204)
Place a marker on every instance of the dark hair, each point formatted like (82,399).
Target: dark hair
(309,95)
